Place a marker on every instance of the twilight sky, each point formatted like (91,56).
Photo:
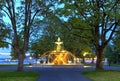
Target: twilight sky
(4,50)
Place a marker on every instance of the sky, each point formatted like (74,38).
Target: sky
(4,51)
(8,50)
(6,19)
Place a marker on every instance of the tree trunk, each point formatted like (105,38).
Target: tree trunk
(99,63)
(20,62)
(92,60)
(83,59)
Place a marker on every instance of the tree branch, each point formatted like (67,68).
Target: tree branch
(112,33)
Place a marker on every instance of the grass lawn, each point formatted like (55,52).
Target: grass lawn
(95,65)
(115,64)
(18,76)
(103,75)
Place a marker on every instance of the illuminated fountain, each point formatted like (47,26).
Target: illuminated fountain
(59,56)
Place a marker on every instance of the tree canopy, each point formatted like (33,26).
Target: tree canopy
(25,19)
(81,24)
(96,20)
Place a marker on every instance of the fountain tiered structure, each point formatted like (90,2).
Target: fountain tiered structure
(59,56)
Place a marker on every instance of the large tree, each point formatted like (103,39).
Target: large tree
(4,30)
(116,46)
(97,20)
(25,16)
(4,34)
(50,33)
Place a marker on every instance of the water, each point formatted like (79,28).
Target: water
(12,62)
(6,59)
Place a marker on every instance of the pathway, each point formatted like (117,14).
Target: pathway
(71,73)
(61,74)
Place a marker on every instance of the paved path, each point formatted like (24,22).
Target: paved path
(63,73)
(59,73)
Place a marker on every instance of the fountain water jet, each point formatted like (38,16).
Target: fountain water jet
(59,56)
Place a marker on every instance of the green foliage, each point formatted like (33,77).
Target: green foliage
(111,52)
(4,28)
(13,54)
(4,33)
(18,76)
(92,21)
(116,42)
(56,26)
(108,51)
(103,75)
(116,39)
(25,21)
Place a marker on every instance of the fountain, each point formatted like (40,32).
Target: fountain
(59,56)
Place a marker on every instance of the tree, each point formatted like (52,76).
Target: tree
(108,52)
(24,20)
(116,46)
(97,20)
(116,40)
(4,30)
(4,34)
(112,52)
(51,32)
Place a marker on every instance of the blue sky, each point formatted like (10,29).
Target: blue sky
(4,50)
(7,20)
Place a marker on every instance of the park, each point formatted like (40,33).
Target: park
(59,40)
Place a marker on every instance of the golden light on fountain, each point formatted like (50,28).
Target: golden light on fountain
(58,42)
(59,56)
